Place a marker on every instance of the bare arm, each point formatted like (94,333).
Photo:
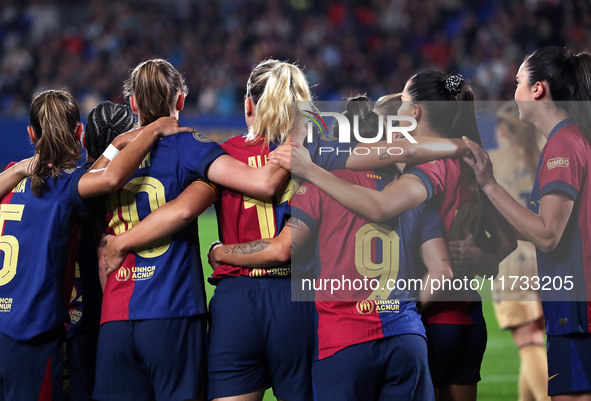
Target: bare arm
(11,177)
(425,150)
(261,182)
(120,143)
(398,197)
(263,253)
(109,179)
(436,258)
(544,230)
(163,222)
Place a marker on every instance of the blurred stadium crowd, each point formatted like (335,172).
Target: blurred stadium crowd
(351,45)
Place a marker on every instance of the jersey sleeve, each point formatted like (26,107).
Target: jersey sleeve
(432,225)
(432,174)
(74,198)
(562,167)
(195,152)
(306,205)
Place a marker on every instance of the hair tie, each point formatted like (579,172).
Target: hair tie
(452,84)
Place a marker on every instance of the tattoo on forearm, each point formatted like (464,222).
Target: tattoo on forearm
(384,156)
(294,223)
(445,260)
(245,249)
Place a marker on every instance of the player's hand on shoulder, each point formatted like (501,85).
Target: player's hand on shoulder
(25,167)
(295,158)
(480,163)
(282,156)
(168,126)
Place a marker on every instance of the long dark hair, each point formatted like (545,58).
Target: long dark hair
(54,116)
(448,101)
(569,79)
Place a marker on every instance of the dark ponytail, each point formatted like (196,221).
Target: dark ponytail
(569,80)
(368,123)
(54,116)
(448,102)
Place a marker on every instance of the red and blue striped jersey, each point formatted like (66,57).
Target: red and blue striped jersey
(35,234)
(242,218)
(456,198)
(165,279)
(354,250)
(565,168)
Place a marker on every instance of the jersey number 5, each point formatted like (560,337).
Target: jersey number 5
(8,243)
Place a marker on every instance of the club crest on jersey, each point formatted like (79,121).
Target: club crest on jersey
(123,274)
(365,307)
(201,137)
(557,162)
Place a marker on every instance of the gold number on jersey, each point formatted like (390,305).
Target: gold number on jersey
(8,243)
(468,216)
(129,198)
(387,270)
(265,214)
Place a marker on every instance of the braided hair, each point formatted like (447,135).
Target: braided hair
(105,122)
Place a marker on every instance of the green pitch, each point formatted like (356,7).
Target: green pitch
(500,368)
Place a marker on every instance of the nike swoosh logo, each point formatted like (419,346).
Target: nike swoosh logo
(553,376)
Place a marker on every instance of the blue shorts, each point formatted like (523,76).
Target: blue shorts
(393,368)
(81,363)
(455,353)
(259,338)
(31,370)
(569,363)
(161,359)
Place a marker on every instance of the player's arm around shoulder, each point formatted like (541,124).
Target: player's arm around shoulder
(163,222)
(261,182)
(266,252)
(14,174)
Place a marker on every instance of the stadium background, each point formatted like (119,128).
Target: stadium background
(345,47)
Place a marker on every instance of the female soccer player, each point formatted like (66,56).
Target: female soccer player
(105,123)
(358,347)
(246,365)
(517,309)
(553,93)
(35,219)
(443,106)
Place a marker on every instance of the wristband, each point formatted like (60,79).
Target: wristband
(111,152)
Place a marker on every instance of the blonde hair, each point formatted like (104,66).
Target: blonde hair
(388,104)
(155,85)
(521,135)
(54,116)
(281,94)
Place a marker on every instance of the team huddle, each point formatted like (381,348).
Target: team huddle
(106,259)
